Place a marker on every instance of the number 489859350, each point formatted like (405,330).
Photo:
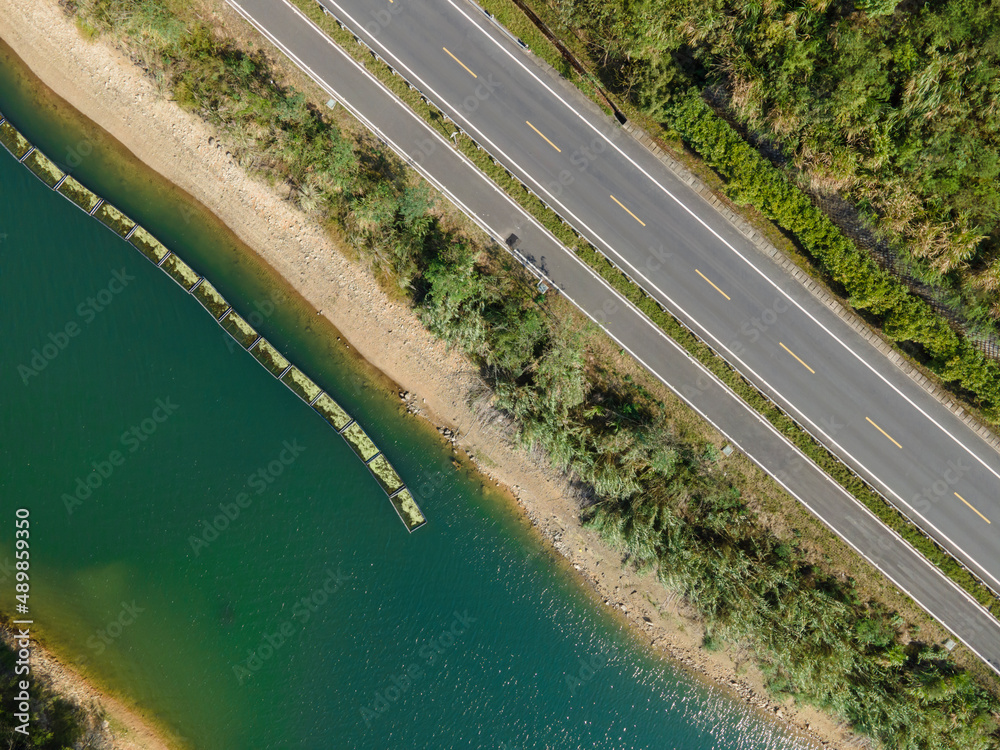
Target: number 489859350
(23,555)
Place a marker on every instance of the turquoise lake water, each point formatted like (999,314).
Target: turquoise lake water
(313,619)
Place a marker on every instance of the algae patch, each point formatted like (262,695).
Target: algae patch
(13,141)
(407,509)
(114,219)
(383,472)
(332,412)
(273,361)
(358,439)
(148,245)
(239,329)
(80,195)
(44,168)
(210,299)
(301,385)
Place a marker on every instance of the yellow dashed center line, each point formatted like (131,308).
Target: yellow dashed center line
(973,509)
(546,139)
(797,358)
(627,211)
(713,285)
(460,63)
(883,432)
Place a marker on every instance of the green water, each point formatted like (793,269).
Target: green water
(312,620)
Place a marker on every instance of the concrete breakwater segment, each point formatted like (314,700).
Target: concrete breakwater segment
(236,326)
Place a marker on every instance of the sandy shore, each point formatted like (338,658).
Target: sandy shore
(115,726)
(110,90)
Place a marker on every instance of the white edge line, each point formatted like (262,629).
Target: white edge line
(656,329)
(776,393)
(744,258)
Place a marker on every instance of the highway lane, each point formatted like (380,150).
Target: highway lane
(635,211)
(463,184)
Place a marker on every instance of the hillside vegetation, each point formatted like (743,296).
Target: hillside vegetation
(897,106)
(893,107)
(660,496)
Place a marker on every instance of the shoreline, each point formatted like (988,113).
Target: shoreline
(122,726)
(111,91)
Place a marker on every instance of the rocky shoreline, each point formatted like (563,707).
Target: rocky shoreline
(111,724)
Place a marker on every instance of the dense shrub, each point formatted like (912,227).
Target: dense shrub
(752,179)
(893,103)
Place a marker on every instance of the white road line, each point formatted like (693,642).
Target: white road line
(731,356)
(697,218)
(374,128)
(656,329)
(704,224)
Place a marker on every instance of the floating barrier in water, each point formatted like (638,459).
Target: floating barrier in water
(332,412)
(407,510)
(301,385)
(77,193)
(358,439)
(384,474)
(210,299)
(13,141)
(270,357)
(236,326)
(179,271)
(244,333)
(114,219)
(148,245)
(43,167)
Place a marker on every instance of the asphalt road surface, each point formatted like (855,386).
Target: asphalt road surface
(674,244)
